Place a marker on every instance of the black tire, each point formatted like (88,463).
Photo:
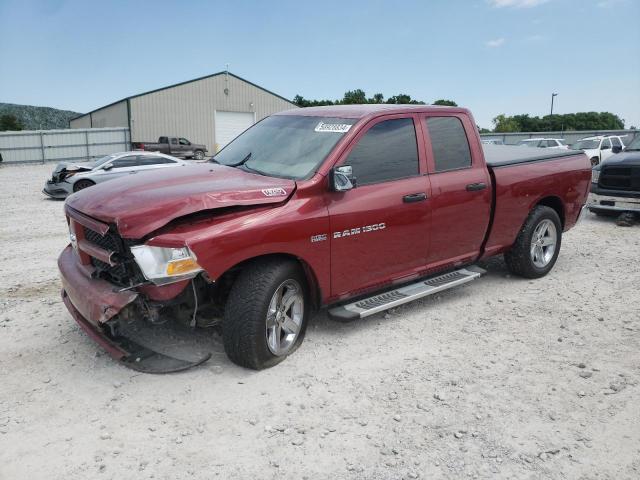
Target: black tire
(198,155)
(244,322)
(82,184)
(519,258)
(594,161)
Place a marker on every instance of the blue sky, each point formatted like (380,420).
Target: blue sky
(492,56)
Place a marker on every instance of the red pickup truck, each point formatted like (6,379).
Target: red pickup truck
(354,208)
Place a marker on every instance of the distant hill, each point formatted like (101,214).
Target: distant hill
(38,118)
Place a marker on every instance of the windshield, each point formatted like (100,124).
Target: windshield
(528,143)
(586,144)
(635,145)
(285,146)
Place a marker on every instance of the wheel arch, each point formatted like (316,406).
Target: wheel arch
(312,280)
(556,204)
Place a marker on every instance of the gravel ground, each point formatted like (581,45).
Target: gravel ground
(501,378)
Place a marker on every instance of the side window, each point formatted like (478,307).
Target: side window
(616,142)
(387,151)
(174,141)
(606,144)
(184,141)
(129,161)
(149,160)
(449,143)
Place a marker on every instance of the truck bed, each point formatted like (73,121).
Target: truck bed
(503,155)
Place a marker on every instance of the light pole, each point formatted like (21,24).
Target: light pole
(553,95)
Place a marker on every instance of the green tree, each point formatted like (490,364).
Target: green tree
(503,124)
(354,97)
(10,122)
(448,103)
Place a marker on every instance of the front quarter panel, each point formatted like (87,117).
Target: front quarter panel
(299,227)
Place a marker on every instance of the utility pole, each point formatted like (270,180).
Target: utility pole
(553,95)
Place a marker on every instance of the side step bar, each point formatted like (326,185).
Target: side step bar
(384,301)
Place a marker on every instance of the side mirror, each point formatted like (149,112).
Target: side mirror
(616,149)
(108,166)
(342,178)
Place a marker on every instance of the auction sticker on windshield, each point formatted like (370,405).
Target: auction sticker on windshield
(332,127)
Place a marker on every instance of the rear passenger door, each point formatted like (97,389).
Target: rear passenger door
(380,228)
(460,190)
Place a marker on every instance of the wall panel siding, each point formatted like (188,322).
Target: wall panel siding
(62,145)
(81,122)
(188,110)
(112,116)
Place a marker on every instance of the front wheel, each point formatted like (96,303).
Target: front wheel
(537,246)
(595,161)
(266,313)
(198,154)
(82,184)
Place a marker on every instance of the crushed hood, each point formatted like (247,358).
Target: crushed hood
(74,166)
(144,202)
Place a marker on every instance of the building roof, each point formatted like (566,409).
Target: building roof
(184,83)
(369,109)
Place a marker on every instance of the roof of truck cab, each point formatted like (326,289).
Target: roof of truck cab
(367,110)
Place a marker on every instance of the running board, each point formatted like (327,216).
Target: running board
(408,293)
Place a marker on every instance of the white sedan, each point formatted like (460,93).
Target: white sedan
(68,177)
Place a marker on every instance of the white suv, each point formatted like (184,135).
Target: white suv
(599,148)
(543,143)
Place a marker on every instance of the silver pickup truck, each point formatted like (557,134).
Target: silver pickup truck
(176,146)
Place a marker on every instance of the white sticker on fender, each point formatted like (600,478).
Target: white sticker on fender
(332,127)
(274,192)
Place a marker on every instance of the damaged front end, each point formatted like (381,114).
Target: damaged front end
(58,185)
(142,319)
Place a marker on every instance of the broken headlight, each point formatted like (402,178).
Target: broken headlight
(162,265)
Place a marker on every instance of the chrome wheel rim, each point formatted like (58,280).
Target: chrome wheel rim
(543,243)
(284,317)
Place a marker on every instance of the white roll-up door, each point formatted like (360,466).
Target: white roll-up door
(231,124)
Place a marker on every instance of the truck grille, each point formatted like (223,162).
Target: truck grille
(620,177)
(125,272)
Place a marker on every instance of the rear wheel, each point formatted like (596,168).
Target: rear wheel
(537,246)
(82,184)
(198,154)
(266,314)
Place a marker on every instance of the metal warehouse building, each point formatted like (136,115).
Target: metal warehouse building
(211,110)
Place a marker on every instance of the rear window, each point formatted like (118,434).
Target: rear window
(449,143)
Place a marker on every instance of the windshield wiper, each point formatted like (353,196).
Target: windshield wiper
(241,162)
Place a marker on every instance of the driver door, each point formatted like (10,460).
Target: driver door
(380,228)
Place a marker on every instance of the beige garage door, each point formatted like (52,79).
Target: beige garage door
(231,124)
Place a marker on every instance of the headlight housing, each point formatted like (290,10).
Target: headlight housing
(162,265)
(595,175)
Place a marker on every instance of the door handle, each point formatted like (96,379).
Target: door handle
(414,197)
(474,187)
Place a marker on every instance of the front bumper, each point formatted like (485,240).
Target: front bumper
(57,190)
(94,302)
(608,203)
